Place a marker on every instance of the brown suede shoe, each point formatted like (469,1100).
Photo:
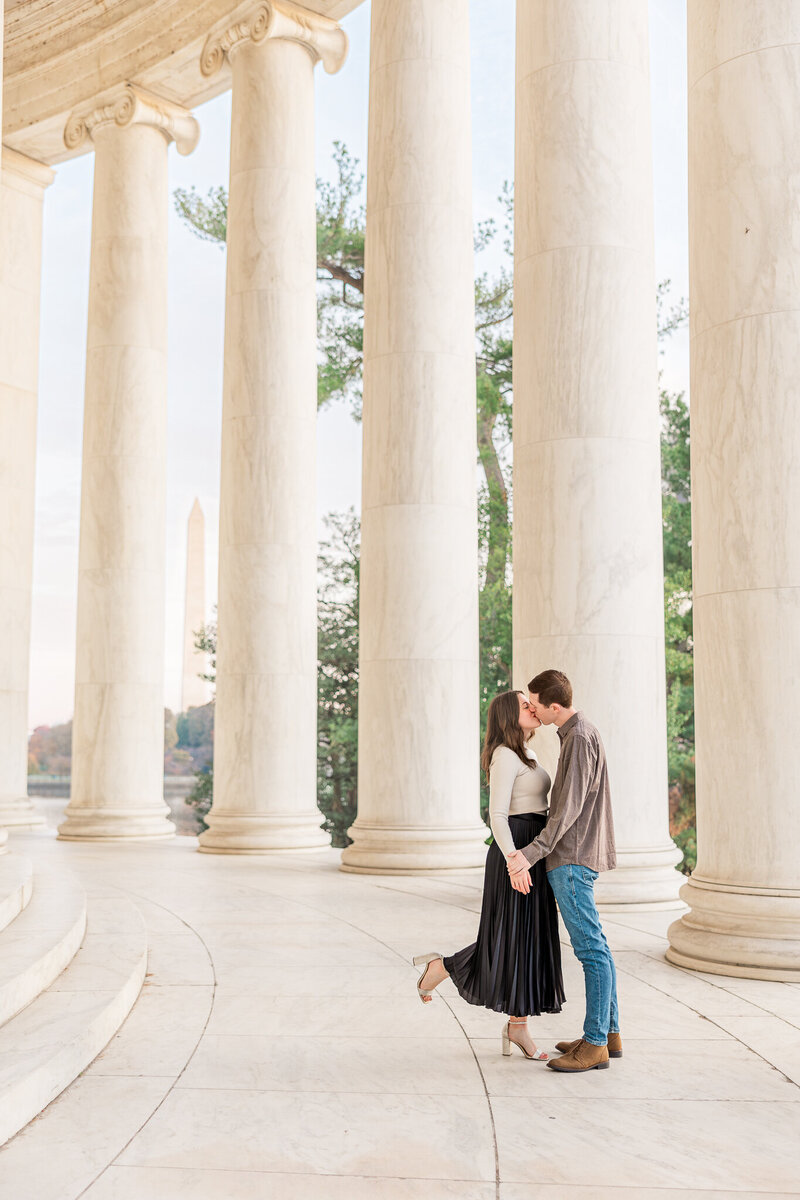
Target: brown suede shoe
(614,1046)
(583,1057)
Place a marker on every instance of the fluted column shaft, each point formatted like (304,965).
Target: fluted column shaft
(418,675)
(588,574)
(118,726)
(21,202)
(744,252)
(265,721)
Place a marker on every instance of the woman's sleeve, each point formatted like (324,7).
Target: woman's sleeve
(502,774)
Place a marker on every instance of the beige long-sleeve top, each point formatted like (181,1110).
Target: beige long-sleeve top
(513,789)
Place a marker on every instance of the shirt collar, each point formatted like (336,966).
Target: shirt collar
(570,724)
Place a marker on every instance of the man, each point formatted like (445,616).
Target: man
(578,841)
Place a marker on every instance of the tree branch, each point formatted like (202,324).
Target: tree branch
(342,274)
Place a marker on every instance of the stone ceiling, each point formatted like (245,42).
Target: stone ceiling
(59,54)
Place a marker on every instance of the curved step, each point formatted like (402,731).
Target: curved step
(16,886)
(46,1046)
(39,943)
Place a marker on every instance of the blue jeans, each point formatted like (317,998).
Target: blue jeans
(573,888)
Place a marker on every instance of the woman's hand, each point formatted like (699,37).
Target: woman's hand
(519,871)
(521,881)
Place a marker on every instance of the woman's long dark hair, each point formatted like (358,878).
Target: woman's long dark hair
(503,729)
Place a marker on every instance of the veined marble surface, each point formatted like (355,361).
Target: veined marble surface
(744,262)
(278,1048)
(418,596)
(116,786)
(21,194)
(266,661)
(588,576)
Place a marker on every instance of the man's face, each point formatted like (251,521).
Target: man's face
(546,715)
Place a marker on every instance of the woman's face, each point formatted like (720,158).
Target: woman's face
(528,721)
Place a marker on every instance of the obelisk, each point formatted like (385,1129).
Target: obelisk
(195,691)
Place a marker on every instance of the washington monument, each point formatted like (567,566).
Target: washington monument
(194,691)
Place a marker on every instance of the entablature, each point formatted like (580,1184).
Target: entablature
(61,56)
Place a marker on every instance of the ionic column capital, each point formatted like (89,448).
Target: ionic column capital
(132,105)
(323,38)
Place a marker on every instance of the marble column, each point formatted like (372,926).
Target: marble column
(588,574)
(118,725)
(194,690)
(265,721)
(21,201)
(744,256)
(3,349)
(418,806)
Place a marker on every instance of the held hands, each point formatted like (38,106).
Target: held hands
(519,871)
(521,882)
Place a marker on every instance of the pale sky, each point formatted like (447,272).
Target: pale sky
(197,309)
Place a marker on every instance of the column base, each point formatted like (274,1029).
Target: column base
(262,833)
(413,850)
(743,932)
(642,881)
(116,825)
(19,813)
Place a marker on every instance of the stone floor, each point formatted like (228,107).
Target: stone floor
(278,1049)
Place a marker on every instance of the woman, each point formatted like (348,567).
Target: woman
(514,966)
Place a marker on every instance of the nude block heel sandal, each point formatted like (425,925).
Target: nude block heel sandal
(539,1056)
(422,960)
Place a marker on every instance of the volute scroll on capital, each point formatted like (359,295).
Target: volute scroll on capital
(132,105)
(323,38)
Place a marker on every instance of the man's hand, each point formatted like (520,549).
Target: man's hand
(517,862)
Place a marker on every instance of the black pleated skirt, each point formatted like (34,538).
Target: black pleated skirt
(514,966)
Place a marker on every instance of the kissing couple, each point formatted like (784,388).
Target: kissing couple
(537,859)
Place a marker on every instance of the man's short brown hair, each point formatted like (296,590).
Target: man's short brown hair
(552,687)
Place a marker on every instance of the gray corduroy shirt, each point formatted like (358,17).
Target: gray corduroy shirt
(580,828)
